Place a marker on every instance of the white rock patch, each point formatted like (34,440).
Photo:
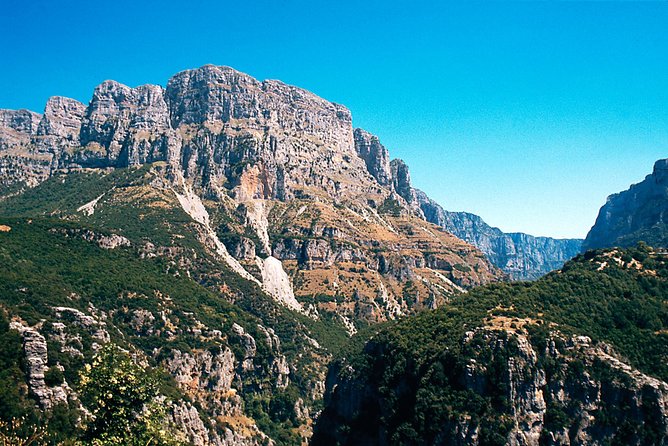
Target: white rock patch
(447,281)
(257,219)
(88,209)
(277,283)
(194,207)
(275,280)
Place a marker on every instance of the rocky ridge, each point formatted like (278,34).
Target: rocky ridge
(521,256)
(278,160)
(637,214)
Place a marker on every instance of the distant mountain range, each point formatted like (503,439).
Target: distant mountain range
(521,256)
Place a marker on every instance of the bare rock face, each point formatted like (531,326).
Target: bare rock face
(59,128)
(203,371)
(220,127)
(96,328)
(402,186)
(124,126)
(19,162)
(242,248)
(279,364)
(637,214)
(187,417)
(197,433)
(36,357)
(62,119)
(264,138)
(249,346)
(532,390)
(16,126)
(375,155)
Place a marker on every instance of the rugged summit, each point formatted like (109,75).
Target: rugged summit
(637,214)
(231,232)
(258,148)
(229,134)
(217,126)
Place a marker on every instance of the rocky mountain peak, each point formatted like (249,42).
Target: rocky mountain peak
(637,214)
(660,171)
(221,128)
(21,121)
(61,124)
(274,170)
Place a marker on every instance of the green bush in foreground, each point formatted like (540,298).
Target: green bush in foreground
(122,398)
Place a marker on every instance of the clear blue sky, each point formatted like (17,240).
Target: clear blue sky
(526,113)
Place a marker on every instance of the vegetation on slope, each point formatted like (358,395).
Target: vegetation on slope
(46,264)
(408,373)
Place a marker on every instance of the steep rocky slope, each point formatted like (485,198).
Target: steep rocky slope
(270,170)
(637,214)
(267,228)
(66,290)
(577,357)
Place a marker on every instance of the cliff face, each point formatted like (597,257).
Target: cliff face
(521,256)
(284,173)
(219,127)
(637,214)
(567,394)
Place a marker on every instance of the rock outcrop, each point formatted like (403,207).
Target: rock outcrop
(375,155)
(574,392)
(35,350)
(637,214)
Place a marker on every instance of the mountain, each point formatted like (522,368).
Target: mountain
(297,182)
(214,123)
(576,357)
(230,234)
(521,256)
(634,215)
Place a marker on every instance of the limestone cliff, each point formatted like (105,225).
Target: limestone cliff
(574,358)
(637,214)
(307,205)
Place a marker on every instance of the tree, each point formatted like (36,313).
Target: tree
(123,401)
